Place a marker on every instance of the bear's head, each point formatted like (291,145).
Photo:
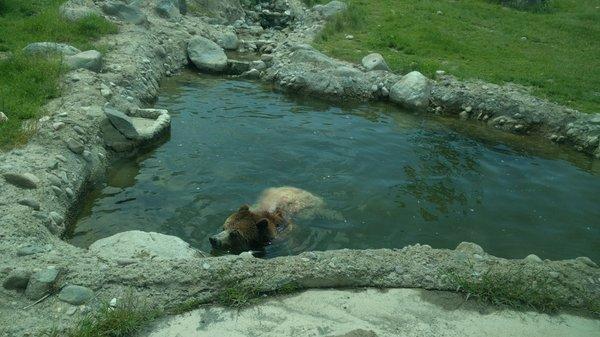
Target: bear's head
(246,230)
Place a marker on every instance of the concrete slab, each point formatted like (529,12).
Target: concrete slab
(388,313)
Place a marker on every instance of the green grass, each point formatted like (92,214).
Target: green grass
(125,319)
(28,82)
(517,288)
(480,39)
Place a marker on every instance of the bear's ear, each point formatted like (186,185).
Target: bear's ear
(244,208)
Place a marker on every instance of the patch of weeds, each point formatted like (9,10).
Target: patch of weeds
(509,287)
(350,19)
(186,306)
(238,296)
(126,318)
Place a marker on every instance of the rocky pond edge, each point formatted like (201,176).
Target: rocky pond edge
(44,182)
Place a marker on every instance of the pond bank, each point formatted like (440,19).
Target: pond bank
(44,182)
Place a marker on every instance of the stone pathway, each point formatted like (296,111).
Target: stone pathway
(382,313)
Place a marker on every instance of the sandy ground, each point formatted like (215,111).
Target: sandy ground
(394,312)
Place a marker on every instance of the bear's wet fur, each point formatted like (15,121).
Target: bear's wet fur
(253,228)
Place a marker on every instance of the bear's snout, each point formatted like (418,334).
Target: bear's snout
(213,242)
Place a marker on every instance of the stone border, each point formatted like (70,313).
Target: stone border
(69,151)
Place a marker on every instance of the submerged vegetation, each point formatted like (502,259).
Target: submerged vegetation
(550,46)
(28,82)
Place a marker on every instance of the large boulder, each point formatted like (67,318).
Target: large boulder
(47,48)
(374,62)
(228,41)
(74,10)
(168,9)
(128,13)
(122,122)
(330,9)
(91,60)
(143,245)
(207,55)
(412,91)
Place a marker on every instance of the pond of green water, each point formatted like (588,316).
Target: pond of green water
(396,178)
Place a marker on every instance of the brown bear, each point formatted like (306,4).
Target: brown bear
(253,228)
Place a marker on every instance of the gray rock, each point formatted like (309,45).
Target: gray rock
(142,245)
(374,62)
(74,10)
(587,261)
(75,146)
(412,91)
(3,118)
(252,73)
(122,122)
(32,249)
(167,9)
(30,203)
(228,41)
(41,283)
(236,67)
(469,247)
(56,218)
(90,59)
(47,48)
(206,55)
(75,295)
(533,258)
(330,9)
(24,180)
(127,13)
(54,180)
(17,280)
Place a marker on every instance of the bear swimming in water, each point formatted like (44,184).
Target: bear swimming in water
(253,228)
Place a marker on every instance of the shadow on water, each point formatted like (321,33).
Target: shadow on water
(398,178)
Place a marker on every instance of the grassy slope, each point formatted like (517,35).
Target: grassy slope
(27,82)
(559,58)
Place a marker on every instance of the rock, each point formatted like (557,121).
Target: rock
(228,41)
(127,13)
(259,65)
(32,249)
(533,258)
(463,115)
(469,247)
(206,55)
(41,283)
(90,59)
(30,203)
(17,280)
(57,126)
(121,122)
(235,67)
(252,74)
(167,9)
(374,62)
(56,218)
(75,146)
(140,245)
(3,118)
(412,91)
(587,261)
(113,302)
(25,180)
(247,255)
(266,58)
(74,10)
(330,9)
(75,295)
(47,48)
